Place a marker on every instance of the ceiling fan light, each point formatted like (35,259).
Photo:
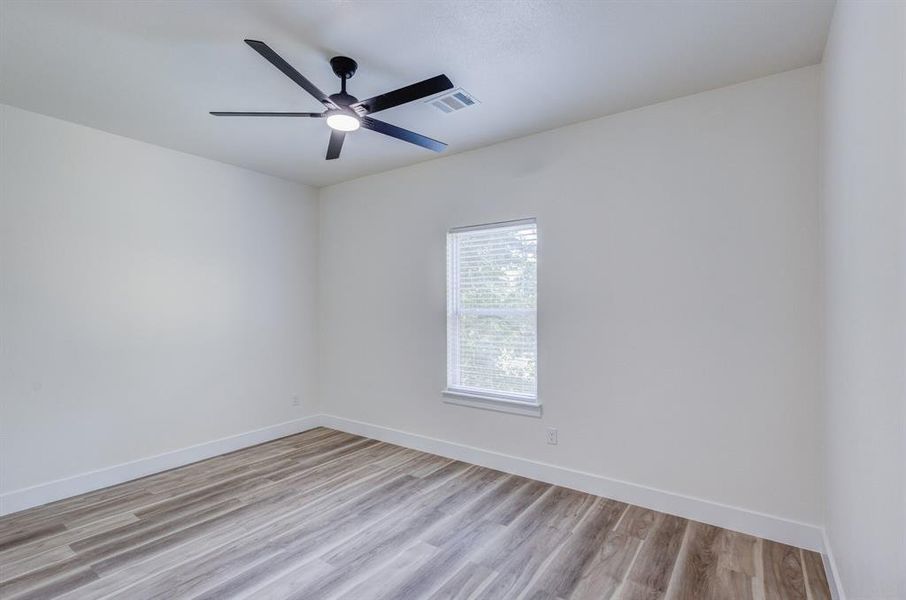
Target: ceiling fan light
(343,122)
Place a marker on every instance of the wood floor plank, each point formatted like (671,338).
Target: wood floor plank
(817,579)
(514,575)
(456,537)
(144,530)
(50,587)
(695,575)
(538,520)
(540,531)
(327,514)
(263,525)
(63,510)
(465,583)
(297,534)
(26,550)
(654,564)
(634,590)
(637,522)
(382,538)
(240,565)
(395,575)
(12,570)
(733,584)
(480,510)
(518,501)
(783,575)
(26,535)
(602,576)
(51,513)
(450,558)
(370,547)
(86,514)
(458,534)
(736,552)
(564,573)
(288,583)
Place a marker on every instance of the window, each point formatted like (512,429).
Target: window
(492,298)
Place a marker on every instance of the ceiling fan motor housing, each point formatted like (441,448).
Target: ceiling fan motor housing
(343,99)
(343,66)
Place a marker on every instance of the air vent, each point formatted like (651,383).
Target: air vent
(452,101)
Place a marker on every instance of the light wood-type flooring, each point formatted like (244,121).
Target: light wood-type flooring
(325,514)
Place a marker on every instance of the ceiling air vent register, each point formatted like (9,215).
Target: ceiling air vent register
(453,101)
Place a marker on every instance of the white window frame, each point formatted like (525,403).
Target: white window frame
(508,403)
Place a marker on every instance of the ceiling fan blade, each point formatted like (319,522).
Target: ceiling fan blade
(335,144)
(402,134)
(287,69)
(422,89)
(266,114)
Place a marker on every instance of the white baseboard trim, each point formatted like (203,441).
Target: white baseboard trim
(802,535)
(21,499)
(830,569)
(794,533)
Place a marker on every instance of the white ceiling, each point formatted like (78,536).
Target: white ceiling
(152,70)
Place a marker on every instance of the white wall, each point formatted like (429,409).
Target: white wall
(864,90)
(151,300)
(679,286)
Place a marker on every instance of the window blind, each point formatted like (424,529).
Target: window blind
(492,290)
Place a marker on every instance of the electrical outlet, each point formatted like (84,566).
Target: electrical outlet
(296,401)
(551,436)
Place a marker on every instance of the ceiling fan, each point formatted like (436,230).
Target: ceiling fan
(346,112)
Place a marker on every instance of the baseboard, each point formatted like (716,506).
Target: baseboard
(21,499)
(794,533)
(830,569)
(770,527)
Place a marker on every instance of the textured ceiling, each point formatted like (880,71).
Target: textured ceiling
(152,70)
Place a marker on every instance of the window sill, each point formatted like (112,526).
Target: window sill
(516,407)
